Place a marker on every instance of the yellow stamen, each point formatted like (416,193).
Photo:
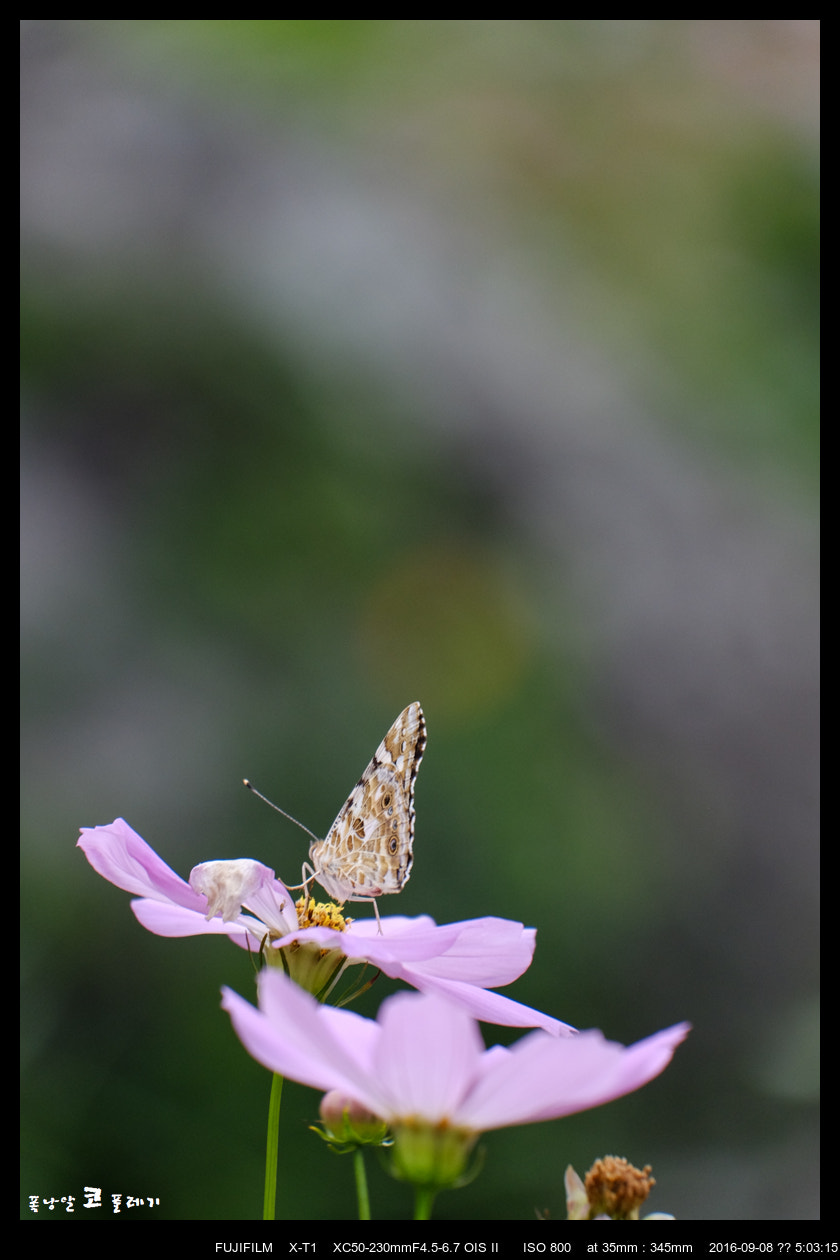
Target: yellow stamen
(312,913)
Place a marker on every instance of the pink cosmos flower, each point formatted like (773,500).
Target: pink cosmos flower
(243,900)
(421,1065)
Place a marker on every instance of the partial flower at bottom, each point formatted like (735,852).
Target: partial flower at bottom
(421,1066)
(614,1190)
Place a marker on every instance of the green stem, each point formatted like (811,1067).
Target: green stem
(361,1184)
(272,1144)
(424,1197)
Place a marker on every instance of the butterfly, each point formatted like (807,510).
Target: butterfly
(368,851)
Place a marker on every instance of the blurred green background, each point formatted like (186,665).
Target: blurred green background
(471,362)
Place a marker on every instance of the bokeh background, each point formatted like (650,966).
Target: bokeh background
(471,362)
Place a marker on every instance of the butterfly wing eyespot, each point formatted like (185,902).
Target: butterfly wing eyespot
(368,851)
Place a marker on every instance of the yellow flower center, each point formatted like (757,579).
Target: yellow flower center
(312,913)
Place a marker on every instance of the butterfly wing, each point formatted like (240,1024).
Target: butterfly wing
(368,850)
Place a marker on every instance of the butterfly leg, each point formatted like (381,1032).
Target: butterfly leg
(306,873)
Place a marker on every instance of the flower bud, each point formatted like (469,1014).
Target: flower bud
(349,1123)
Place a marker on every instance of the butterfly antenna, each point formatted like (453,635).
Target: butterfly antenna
(249,785)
